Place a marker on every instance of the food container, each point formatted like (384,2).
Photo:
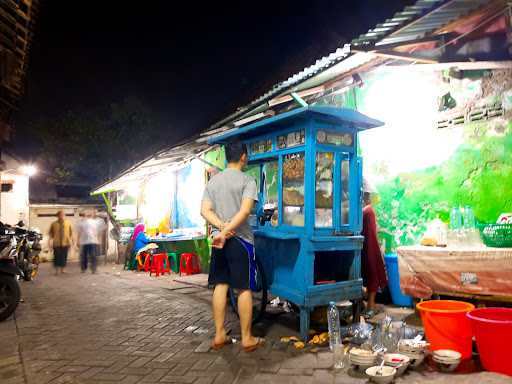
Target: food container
(381,375)
(398,361)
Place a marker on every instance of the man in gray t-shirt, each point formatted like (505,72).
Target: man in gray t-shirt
(227,203)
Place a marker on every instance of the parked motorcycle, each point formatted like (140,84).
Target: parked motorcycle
(9,287)
(28,250)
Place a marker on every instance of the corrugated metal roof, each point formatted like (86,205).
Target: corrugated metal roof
(168,158)
(417,21)
(320,65)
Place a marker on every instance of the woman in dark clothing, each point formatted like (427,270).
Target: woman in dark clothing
(372,263)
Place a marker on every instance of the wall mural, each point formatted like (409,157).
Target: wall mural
(447,141)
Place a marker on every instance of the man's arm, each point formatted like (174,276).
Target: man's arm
(229,228)
(209,214)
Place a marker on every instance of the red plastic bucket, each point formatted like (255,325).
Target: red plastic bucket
(447,326)
(492,328)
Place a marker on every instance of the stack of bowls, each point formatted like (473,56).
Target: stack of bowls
(381,375)
(398,361)
(414,350)
(362,358)
(447,360)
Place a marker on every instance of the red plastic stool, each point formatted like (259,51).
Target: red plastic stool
(157,264)
(189,264)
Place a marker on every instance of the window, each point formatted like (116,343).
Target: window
(261,146)
(293,189)
(334,138)
(7,187)
(291,139)
(324,189)
(345,193)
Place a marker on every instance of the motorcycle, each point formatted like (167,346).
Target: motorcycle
(28,250)
(10,292)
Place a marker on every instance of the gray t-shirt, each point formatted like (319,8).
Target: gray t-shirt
(226,191)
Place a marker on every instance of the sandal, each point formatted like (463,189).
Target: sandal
(260,343)
(219,346)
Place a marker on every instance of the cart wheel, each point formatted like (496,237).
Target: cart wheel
(259,297)
(357,306)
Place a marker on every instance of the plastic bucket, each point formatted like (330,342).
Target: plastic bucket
(394,282)
(492,328)
(447,326)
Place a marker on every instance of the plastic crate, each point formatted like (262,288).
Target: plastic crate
(497,235)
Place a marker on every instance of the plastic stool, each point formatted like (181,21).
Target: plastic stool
(189,264)
(142,261)
(175,261)
(157,264)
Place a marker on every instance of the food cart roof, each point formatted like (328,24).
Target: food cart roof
(355,119)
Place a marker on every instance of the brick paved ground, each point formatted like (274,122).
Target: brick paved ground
(128,328)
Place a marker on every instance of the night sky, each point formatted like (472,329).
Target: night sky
(192,64)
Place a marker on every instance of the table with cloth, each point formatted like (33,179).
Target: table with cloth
(472,271)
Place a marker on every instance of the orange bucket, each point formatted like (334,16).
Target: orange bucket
(447,326)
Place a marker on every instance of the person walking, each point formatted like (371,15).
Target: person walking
(227,203)
(372,263)
(89,232)
(61,238)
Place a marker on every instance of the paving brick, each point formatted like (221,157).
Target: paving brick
(155,375)
(109,376)
(8,361)
(296,371)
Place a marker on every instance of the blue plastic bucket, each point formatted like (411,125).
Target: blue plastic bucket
(397,296)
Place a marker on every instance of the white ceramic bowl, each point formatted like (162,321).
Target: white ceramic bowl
(447,354)
(415,358)
(447,367)
(362,367)
(386,376)
(398,361)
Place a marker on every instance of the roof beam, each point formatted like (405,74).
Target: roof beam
(402,56)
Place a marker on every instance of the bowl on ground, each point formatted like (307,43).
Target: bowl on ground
(398,361)
(381,375)
(415,359)
(446,360)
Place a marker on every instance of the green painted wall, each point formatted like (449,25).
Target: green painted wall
(421,168)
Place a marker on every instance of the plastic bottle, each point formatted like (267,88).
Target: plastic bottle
(455,219)
(333,318)
(469,218)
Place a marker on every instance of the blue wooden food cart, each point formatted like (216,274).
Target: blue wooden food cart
(308,220)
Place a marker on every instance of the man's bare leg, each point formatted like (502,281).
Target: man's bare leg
(219,311)
(371,300)
(245,314)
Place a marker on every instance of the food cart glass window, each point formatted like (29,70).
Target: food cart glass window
(334,138)
(254,172)
(291,139)
(261,146)
(345,204)
(270,175)
(293,189)
(324,189)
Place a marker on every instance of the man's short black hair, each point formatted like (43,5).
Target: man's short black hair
(234,151)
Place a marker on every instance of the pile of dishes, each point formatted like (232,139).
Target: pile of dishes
(398,361)
(446,359)
(414,349)
(362,358)
(381,375)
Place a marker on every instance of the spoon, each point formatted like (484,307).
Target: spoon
(379,371)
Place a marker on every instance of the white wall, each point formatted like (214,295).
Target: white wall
(14,204)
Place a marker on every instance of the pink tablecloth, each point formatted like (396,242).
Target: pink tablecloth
(478,271)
